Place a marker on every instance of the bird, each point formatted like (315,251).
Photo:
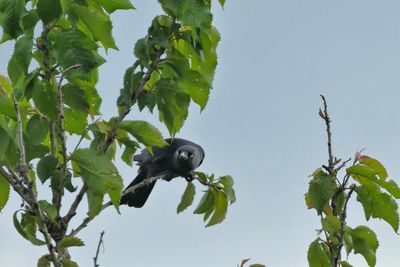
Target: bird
(179,158)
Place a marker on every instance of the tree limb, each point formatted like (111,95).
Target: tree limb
(325,116)
(343,216)
(60,122)
(22,167)
(132,189)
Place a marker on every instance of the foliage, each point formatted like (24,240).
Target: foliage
(50,95)
(329,195)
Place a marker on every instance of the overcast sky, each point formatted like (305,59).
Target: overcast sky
(261,126)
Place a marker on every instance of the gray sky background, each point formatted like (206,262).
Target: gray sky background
(262,127)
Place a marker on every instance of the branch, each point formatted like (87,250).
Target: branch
(72,210)
(53,143)
(325,116)
(111,135)
(101,242)
(343,216)
(132,189)
(17,186)
(60,122)
(22,167)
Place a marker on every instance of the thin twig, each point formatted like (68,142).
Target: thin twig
(72,210)
(81,139)
(101,242)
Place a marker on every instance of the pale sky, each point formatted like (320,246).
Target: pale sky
(262,127)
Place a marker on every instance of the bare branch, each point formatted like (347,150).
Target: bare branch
(101,242)
(325,116)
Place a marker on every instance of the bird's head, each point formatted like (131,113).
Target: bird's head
(188,157)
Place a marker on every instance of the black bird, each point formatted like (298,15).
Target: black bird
(180,158)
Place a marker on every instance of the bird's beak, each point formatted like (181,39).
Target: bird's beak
(183,155)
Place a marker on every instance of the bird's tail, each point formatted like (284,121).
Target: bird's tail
(140,195)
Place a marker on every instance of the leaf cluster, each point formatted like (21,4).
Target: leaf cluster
(50,95)
(329,194)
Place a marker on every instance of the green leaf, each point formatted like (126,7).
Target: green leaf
(316,255)
(348,240)
(44,97)
(140,51)
(227,182)
(75,97)
(44,261)
(35,151)
(5,85)
(6,106)
(172,104)
(45,167)
(221,207)
(221,2)
(202,176)
(144,132)
(378,205)
(49,10)
(257,265)
(194,13)
(331,224)
(4,192)
(130,148)
(197,87)
(75,120)
(98,23)
(365,243)
(70,241)
(83,98)
(27,228)
(74,47)
(20,60)
(100,176)
(4,140)
(111,5)
(187,197)
(345,264)
(321,189)
(365,175)
(375,165)
(49,209)
(29,21)
(206,203)
(11,12)
(390,186)
(37,129)
(69,263)
(361,171)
